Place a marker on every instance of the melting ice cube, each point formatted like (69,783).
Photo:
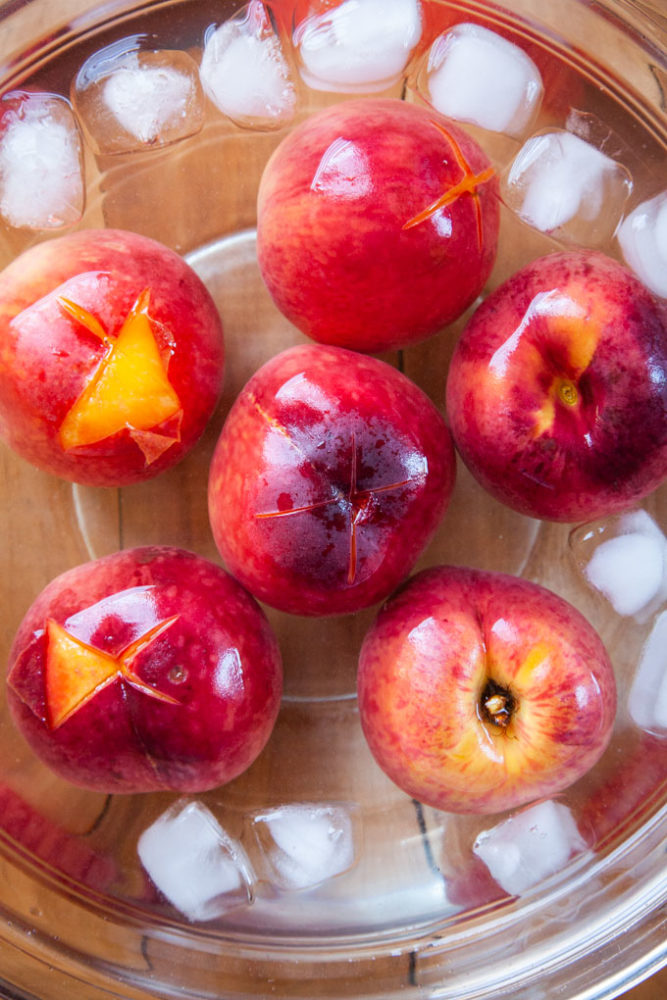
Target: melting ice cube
(194,863)
(359,46)
(41,164)
(128,99)
(648,694)
(475,75)
(245,73)
(628,564)
(643,239)
(304,844)
(529,846)
(562,185)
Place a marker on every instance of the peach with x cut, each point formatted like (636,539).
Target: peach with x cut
(330,476)
(377,224)
(112,357)
(147,669)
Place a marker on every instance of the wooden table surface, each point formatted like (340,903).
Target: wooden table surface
(654,988)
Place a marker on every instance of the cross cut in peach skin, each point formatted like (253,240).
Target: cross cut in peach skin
(333,245)
(129,388)
(356,504)
(75,672)
(469,184)
(147,669)
(112,357)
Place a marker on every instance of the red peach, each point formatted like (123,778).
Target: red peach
(330,476)
(557,390)
(479,691)
(148,669)
(377,224)
(111,357)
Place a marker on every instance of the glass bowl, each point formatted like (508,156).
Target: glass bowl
(334,883)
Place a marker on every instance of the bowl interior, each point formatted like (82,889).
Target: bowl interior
(382,893)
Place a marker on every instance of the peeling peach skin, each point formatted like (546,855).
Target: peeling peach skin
(75,672)
(129,388)
(424,671)
(148,669)
(77,339)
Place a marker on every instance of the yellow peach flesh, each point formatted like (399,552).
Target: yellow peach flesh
(130,387)
(75,672)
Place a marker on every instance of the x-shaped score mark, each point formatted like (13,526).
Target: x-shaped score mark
(355,502)
(75,671)
(469,183)
(129,388)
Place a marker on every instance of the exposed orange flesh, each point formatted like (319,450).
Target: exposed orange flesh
(468,184)
(75,672)
(129,388)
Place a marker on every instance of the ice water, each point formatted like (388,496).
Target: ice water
(162,124)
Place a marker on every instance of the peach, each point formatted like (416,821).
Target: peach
(377,224)
(147,669)
(329,478)
(556,393)
(111,357)
(479,691)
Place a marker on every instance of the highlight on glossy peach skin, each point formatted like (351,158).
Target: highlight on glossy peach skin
(377,224)
(479,691)
(149,669)
(557,389)
(331,475)
(111,357)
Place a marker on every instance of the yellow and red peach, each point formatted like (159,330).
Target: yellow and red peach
(480,691)
(557,389)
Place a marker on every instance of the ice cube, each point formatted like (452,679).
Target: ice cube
(200,869)
(475,75)
(648,694)
(304,844)
(625,559)
(41,162)
(628,570)
(643,239)
(529,846)
(562,185)
(129,99)
(358,46)
(245,73)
